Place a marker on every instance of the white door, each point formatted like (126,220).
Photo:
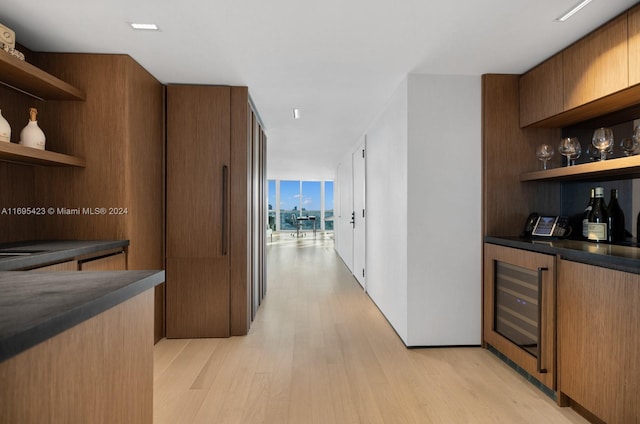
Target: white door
(359,214)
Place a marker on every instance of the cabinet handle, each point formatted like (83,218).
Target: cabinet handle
(225,194)
(539,359)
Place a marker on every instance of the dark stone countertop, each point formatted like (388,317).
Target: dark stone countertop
(618,257)
(52,251)
(36,306)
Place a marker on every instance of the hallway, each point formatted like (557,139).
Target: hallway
(319,351)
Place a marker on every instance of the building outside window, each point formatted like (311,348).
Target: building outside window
(289,200)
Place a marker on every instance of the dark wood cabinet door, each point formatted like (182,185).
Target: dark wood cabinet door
(598,340)
(541,92)
(198,190)
(197,297)
(597,65)
(634,45)
(198,156)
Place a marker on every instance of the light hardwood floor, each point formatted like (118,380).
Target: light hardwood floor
(320,351)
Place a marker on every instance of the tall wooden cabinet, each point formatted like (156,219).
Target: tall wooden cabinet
(117,132)
(213,199)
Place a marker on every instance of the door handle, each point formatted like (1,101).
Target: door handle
(539,359)
(225,218)
(353,219)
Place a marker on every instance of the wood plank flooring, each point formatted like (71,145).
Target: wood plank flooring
(320,351)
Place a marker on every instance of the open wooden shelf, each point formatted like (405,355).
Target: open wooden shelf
(34,81)
(612,169)
(11,152)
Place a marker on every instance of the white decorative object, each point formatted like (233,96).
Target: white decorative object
(5,129)
(7,37)
(32,135)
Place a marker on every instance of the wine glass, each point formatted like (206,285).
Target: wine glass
(570,148)
(603,141)
(629,145)
(544,152)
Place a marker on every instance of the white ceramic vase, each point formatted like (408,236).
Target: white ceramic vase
(5,129)
(32,135)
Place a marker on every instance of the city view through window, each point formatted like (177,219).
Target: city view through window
(300,199)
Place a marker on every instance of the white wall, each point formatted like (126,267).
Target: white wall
(424,239)
(386,208)
(444,210)
(343,191)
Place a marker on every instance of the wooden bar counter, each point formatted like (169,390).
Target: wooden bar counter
(77,347)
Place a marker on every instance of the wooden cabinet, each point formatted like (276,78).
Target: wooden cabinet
(99,371)
(212,194)
(539,277)
(113,262)
(118,130)
(597,65)
(62,266)
(600,75)
(541,91)
(634,45)
(598,340)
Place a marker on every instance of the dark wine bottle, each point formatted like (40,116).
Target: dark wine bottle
(585,215)
(615,218)
(597,230)
(638,229)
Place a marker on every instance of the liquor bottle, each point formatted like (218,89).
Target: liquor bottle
(32,135)
(597,227)
(638,229)
(5,129)
(615,218)
(585,215)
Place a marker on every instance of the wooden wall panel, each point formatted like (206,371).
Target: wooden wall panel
(145,168)
(18,186)
(119,130)
(240,219)
(100,371)
(145,172)
(507,152)
(94,129)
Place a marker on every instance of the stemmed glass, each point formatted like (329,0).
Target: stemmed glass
(544,152)
(631,144)
(571,148)
(603,141)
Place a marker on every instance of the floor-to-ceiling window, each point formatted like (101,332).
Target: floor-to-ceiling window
(290,200)
(328,205)
(272,207)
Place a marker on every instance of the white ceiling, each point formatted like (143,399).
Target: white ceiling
(337,60)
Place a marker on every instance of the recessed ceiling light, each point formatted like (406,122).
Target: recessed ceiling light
(296,113)
(148,27)
(575,9)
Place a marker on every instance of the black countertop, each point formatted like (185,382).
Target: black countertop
(35,306)
(621,258)
(47,252)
